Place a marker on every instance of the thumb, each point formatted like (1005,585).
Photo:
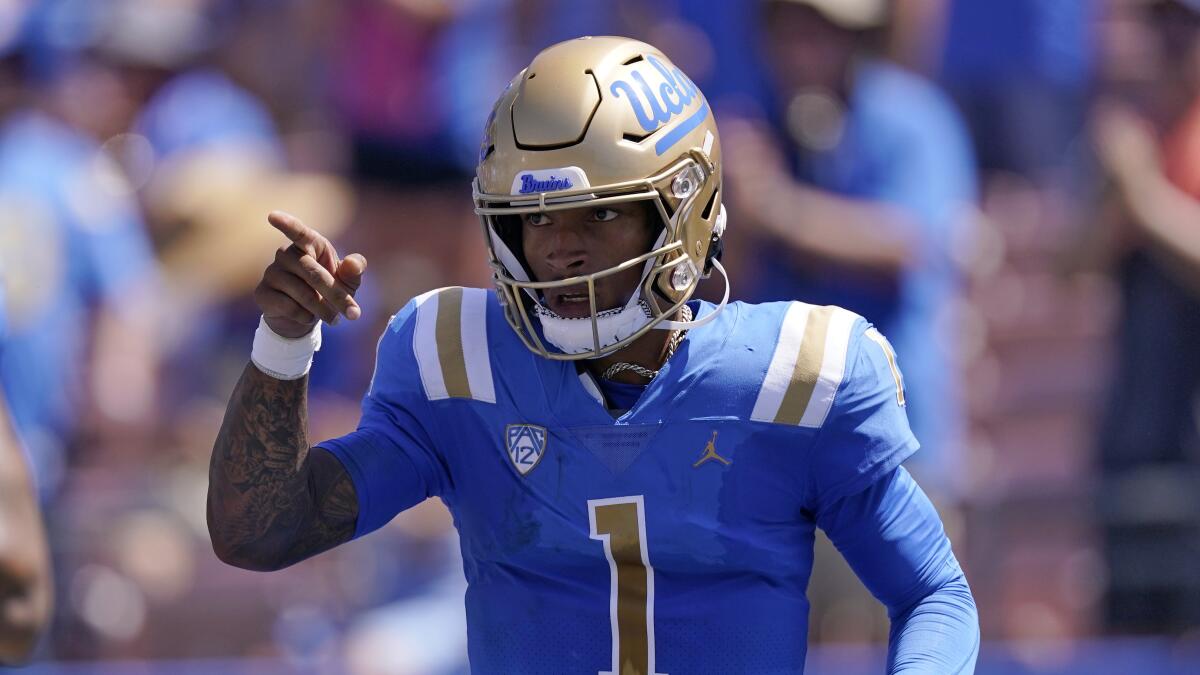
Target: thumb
(351,269)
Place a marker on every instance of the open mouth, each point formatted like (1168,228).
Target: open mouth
(570,303)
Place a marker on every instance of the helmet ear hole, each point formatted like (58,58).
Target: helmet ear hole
(708,208)
(716,243)
(715,248)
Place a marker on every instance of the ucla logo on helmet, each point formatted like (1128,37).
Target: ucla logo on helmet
(654,108)
(526,444)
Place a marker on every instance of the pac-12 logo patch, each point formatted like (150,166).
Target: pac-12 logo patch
(526,445)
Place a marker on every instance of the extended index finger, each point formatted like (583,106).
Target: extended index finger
(294,229)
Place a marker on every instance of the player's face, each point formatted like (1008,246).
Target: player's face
(563,244)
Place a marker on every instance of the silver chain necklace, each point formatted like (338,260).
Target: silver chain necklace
(685,315)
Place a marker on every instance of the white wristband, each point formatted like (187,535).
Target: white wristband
(284,358)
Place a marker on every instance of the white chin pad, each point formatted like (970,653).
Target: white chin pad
(574,336)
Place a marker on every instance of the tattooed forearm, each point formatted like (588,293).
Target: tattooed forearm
(271,500)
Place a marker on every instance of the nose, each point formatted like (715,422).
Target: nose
(567,253)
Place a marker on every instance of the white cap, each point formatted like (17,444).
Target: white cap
(849,14)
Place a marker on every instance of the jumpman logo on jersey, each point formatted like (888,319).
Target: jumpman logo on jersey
(710,452)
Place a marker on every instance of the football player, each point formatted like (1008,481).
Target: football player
(636,476)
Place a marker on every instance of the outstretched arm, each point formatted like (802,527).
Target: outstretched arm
(273,501)
(893,539)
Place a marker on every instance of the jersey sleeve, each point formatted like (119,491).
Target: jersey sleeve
(866,434)
(891,536)
(391,456)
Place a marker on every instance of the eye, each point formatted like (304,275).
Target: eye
(537,219)
(604,215)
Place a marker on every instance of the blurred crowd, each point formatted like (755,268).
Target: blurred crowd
(1009,190)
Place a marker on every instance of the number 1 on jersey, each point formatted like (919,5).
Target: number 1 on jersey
(620,523)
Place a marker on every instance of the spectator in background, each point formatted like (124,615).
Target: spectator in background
(25,585)
(1147,137)
(400,86)
(208,161)
(1022,72)
(857,197)
(79,276)
(714,42)
(385,74)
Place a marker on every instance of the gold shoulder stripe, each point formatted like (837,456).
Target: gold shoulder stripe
(450,344)
(808,367)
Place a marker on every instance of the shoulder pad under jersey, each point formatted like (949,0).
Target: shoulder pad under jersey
(450,344)
(807,366)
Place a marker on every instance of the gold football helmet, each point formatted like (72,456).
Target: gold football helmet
(590,122)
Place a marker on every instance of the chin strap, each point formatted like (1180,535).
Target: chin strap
(574,336)
(689,324)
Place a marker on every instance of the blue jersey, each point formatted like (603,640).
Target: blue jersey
(675,539)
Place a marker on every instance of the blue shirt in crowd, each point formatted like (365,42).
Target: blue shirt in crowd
(71,238)
(1020,41)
